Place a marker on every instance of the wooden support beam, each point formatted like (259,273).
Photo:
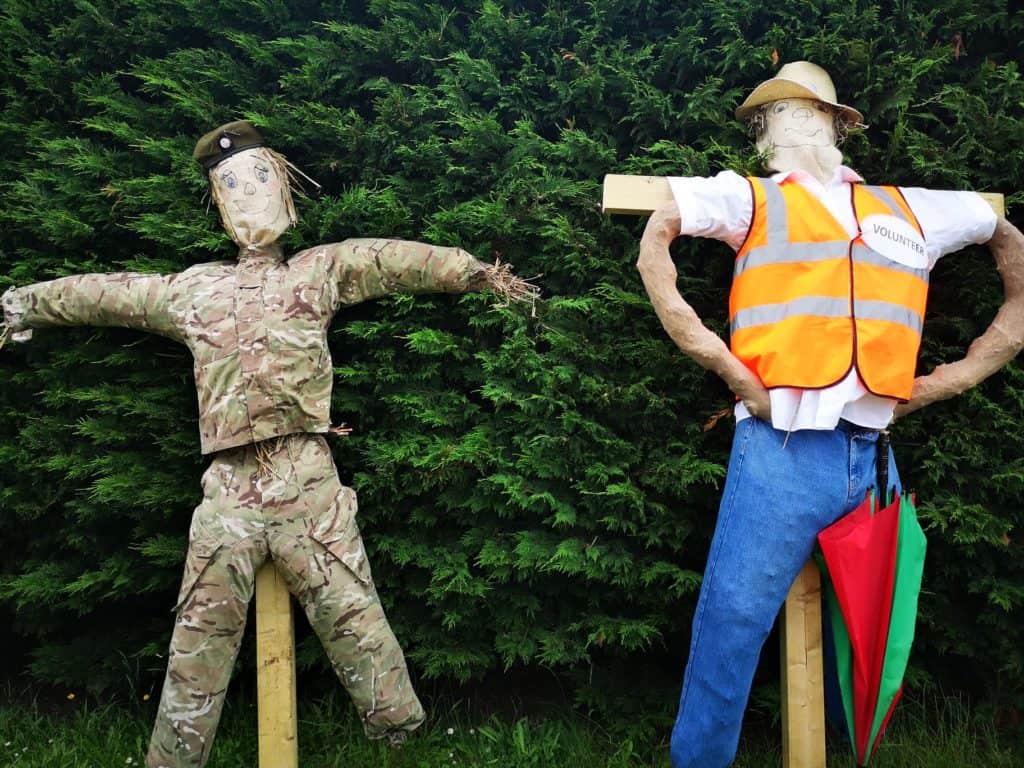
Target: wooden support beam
(635,195)
(642,195)
(803,680)
(275,672)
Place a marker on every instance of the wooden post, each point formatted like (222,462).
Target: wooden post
(803,694)
(275,672)
(803,679)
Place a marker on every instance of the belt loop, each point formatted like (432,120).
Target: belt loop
(882,467)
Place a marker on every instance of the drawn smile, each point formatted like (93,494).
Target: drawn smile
(252,206)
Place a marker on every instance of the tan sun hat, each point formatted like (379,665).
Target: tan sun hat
(797,80)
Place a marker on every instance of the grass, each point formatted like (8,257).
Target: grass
(941,734)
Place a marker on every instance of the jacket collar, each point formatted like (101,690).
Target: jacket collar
(842,175)
(272,253)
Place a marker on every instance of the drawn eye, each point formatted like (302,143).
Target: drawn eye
(262,173)
(230,180)
(781,107)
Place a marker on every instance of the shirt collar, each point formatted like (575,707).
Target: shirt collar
(272,253)
(842,175)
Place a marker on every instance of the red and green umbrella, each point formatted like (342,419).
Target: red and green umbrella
(874,559)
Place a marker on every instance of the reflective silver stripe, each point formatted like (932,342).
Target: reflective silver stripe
(886,197)
(826,306)
(778,249)
(764,314)
(883,310)
(864,255)
(793,252)
(775,211)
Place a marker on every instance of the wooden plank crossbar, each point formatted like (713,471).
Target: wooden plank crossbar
(642,195)
(275,672)
(803,690)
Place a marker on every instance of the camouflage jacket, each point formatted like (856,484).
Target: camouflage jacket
(257,328)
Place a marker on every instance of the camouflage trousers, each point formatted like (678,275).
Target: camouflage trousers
(280,499)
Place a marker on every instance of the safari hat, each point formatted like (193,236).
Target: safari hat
(797,80)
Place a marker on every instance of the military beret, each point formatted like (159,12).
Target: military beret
(221,143)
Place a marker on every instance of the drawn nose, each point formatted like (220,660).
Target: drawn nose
(802,113)
(249,188)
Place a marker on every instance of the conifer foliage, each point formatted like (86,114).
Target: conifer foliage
(536,489)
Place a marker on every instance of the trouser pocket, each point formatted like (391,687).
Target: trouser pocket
(200,555)
(338,533)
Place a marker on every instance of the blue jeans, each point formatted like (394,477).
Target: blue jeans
(775,502)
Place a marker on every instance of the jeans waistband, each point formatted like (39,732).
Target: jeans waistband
(855,429)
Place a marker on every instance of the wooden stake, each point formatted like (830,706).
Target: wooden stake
(275,673)
(803,689)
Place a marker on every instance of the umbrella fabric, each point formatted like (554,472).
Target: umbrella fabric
(835,695)
(860,552)
(874,563)
(910,555)
(838,650)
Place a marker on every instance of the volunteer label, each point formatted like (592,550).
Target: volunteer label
(895,239)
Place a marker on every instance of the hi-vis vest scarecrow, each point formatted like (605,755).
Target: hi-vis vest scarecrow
(808,304)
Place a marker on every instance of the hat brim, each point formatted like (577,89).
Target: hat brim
(779,88)
(213,162)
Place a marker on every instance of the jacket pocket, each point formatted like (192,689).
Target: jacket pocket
(221,391)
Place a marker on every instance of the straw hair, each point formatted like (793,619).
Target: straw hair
(842,125)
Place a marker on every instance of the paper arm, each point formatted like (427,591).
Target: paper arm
(683,325)
(999,344)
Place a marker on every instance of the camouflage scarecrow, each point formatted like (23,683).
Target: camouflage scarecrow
(257,329)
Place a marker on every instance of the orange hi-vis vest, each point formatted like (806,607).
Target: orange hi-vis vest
(808,303)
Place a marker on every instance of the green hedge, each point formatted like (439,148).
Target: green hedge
(536,488)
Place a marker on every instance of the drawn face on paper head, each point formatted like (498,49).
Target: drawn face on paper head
(797,120)
(800,133)
(249,182)
(792,123)
(252,193)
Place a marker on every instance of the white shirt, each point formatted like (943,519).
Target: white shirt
(721,207)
